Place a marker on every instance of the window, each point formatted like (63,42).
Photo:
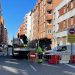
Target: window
(49,31)
(64,9)
(49,11)
(71,4)
(71,20)
(25,25)
(64,40)
(49,1)
(44,17)
(64,23)
(44,9)
(54,15)
(49,21)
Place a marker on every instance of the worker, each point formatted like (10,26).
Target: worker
(39,54)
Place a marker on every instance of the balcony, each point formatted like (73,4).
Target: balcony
(49,36)
(49,16)
(49,1)
(49,7)
(49,26)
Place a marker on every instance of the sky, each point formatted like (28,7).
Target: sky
(13,12)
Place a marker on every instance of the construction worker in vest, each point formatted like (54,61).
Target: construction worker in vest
(39,54)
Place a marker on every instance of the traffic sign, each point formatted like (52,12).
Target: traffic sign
(72,31)
(71,35)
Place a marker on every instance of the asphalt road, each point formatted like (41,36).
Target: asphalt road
(10,66)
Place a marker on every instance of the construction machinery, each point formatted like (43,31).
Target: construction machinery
(20,47)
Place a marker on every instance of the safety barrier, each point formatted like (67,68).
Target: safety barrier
(72,59)
(54,59)
(32,56)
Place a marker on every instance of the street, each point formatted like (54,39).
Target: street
(37,37)
(11,66)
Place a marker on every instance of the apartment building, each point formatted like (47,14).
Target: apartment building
(32,24)
(21,30)
(28,25)
(3,32)
(35,22)
(1,29)
(25,27)
(42,21)
(64,18)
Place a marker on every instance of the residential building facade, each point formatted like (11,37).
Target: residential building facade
(21,30)
(28,25)
(64,19)
(25,27)
(3,31)
(42,21)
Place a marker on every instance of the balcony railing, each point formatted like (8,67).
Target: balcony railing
(49,7)
(50,26)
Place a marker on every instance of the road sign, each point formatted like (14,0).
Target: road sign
(71,35)
(72,31)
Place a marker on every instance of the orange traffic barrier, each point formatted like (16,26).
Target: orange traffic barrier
(54,59)
(72,59)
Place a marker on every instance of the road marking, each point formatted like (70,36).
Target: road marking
(70,73)
(11,62)
(10,69)
(51,65)
(72,66)
(33,68)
